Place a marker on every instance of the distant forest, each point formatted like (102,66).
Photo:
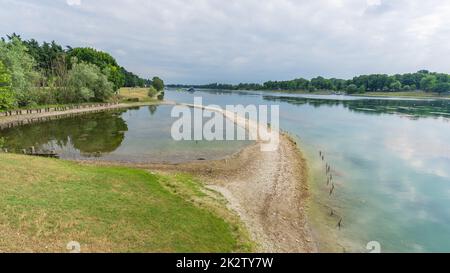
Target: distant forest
(421,80)
(42,74)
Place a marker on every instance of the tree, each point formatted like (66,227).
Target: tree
(406,87)
(103,60)
(395,86)
(158,84)
(423,79)
(132,80)
(44,55)
(362,89)
(352,88)
(428,83)
(7,100)
(21,65)
(321,83)
(34,73)
(114,75)
(86,83)
(442,87)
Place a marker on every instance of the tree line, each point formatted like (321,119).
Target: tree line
(41,74)
(421,80)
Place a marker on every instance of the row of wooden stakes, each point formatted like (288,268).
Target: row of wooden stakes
(330,183)
(33,152)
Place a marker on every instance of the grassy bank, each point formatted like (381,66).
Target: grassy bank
(134,94)
(46,203)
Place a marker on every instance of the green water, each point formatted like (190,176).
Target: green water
(390,163)
(131,135)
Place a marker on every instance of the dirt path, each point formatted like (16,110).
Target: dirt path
(269,190)
(270,195)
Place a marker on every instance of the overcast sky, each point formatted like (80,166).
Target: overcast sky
(203,41)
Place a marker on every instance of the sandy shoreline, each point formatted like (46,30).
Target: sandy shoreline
(268,190)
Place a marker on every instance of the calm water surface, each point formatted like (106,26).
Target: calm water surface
(132,135)
(390,160)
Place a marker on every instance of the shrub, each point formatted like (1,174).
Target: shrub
(152,92)
(86,83)
(21,65)
(45,95)
(161,96)
(7,99)
(352,88)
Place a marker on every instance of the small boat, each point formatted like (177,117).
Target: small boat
(191,90)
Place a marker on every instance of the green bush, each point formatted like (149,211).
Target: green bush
(7,99)
(352,88)
(21,65)
(34,74)
(152,92)
(86,83)
(45,95)
(103,60)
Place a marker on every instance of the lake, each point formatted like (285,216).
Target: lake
(390,160)
(140,135)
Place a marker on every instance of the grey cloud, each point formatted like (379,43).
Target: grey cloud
(200,41)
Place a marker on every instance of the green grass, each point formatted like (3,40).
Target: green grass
(47,203)
(140,94)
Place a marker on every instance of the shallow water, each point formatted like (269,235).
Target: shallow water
(133,135)
(390,157)
(390,160)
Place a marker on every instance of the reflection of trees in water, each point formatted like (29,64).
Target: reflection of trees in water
(152,109)
(90,134)
(414,108)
